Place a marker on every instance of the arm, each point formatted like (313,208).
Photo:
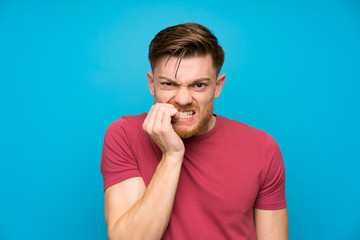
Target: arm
(271,224)
(133,211)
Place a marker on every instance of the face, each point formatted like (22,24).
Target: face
(191,89)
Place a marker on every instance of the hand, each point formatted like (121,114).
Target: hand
(158,125)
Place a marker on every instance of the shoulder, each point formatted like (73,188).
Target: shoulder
(247,133)
(127,122)
(126,126)
(237,127)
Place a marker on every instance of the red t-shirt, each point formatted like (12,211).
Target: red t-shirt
(226,173)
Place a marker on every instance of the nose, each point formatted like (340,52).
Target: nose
(183,96)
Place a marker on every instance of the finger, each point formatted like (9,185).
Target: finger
(163,118)
(171,115)
(174,113)
(167,117)
(159,119)
(148,125)
(146,121)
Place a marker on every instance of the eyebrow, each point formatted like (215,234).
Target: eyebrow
(193,82)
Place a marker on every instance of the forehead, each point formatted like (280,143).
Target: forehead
(186,69)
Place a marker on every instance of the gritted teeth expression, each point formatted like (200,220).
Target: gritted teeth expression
(187,114)
(190,87)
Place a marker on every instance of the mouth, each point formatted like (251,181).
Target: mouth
(187,114)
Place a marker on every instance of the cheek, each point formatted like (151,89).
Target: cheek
(205,100)
(163,96)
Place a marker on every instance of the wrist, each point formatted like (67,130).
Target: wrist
(174,157)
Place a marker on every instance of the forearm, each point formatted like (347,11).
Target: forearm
(149,216)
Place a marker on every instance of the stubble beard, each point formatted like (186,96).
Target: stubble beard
(200,127)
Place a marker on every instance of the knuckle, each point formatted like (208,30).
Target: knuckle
(156,129)
(162,131)
(147,129)
(157,105)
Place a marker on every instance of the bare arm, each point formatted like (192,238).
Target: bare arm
(133,211)
(271,224)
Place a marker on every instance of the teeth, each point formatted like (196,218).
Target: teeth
(186,114)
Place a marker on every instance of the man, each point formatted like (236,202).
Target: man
(182,172)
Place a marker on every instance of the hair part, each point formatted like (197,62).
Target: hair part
(186,40)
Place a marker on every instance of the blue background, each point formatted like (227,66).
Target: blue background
(70,68)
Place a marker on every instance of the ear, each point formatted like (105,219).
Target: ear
(150,77)
(219,84)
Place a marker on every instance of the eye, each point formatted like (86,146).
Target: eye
(199,86)
(167,85)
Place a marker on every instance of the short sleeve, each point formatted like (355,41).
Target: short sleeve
(118,161)
(271,195)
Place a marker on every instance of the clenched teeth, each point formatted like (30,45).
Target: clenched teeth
(188,114)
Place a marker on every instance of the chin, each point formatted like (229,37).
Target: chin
(185,132)
(188,131)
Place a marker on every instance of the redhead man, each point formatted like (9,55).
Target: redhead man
(182,172)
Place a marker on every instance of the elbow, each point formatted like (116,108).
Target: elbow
(115,232)
(112,233)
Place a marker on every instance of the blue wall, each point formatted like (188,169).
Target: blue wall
(69,68)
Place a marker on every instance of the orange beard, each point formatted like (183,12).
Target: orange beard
(199,127)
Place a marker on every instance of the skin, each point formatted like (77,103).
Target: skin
(192,88)
(271,224)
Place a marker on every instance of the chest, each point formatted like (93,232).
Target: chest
(223,179)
